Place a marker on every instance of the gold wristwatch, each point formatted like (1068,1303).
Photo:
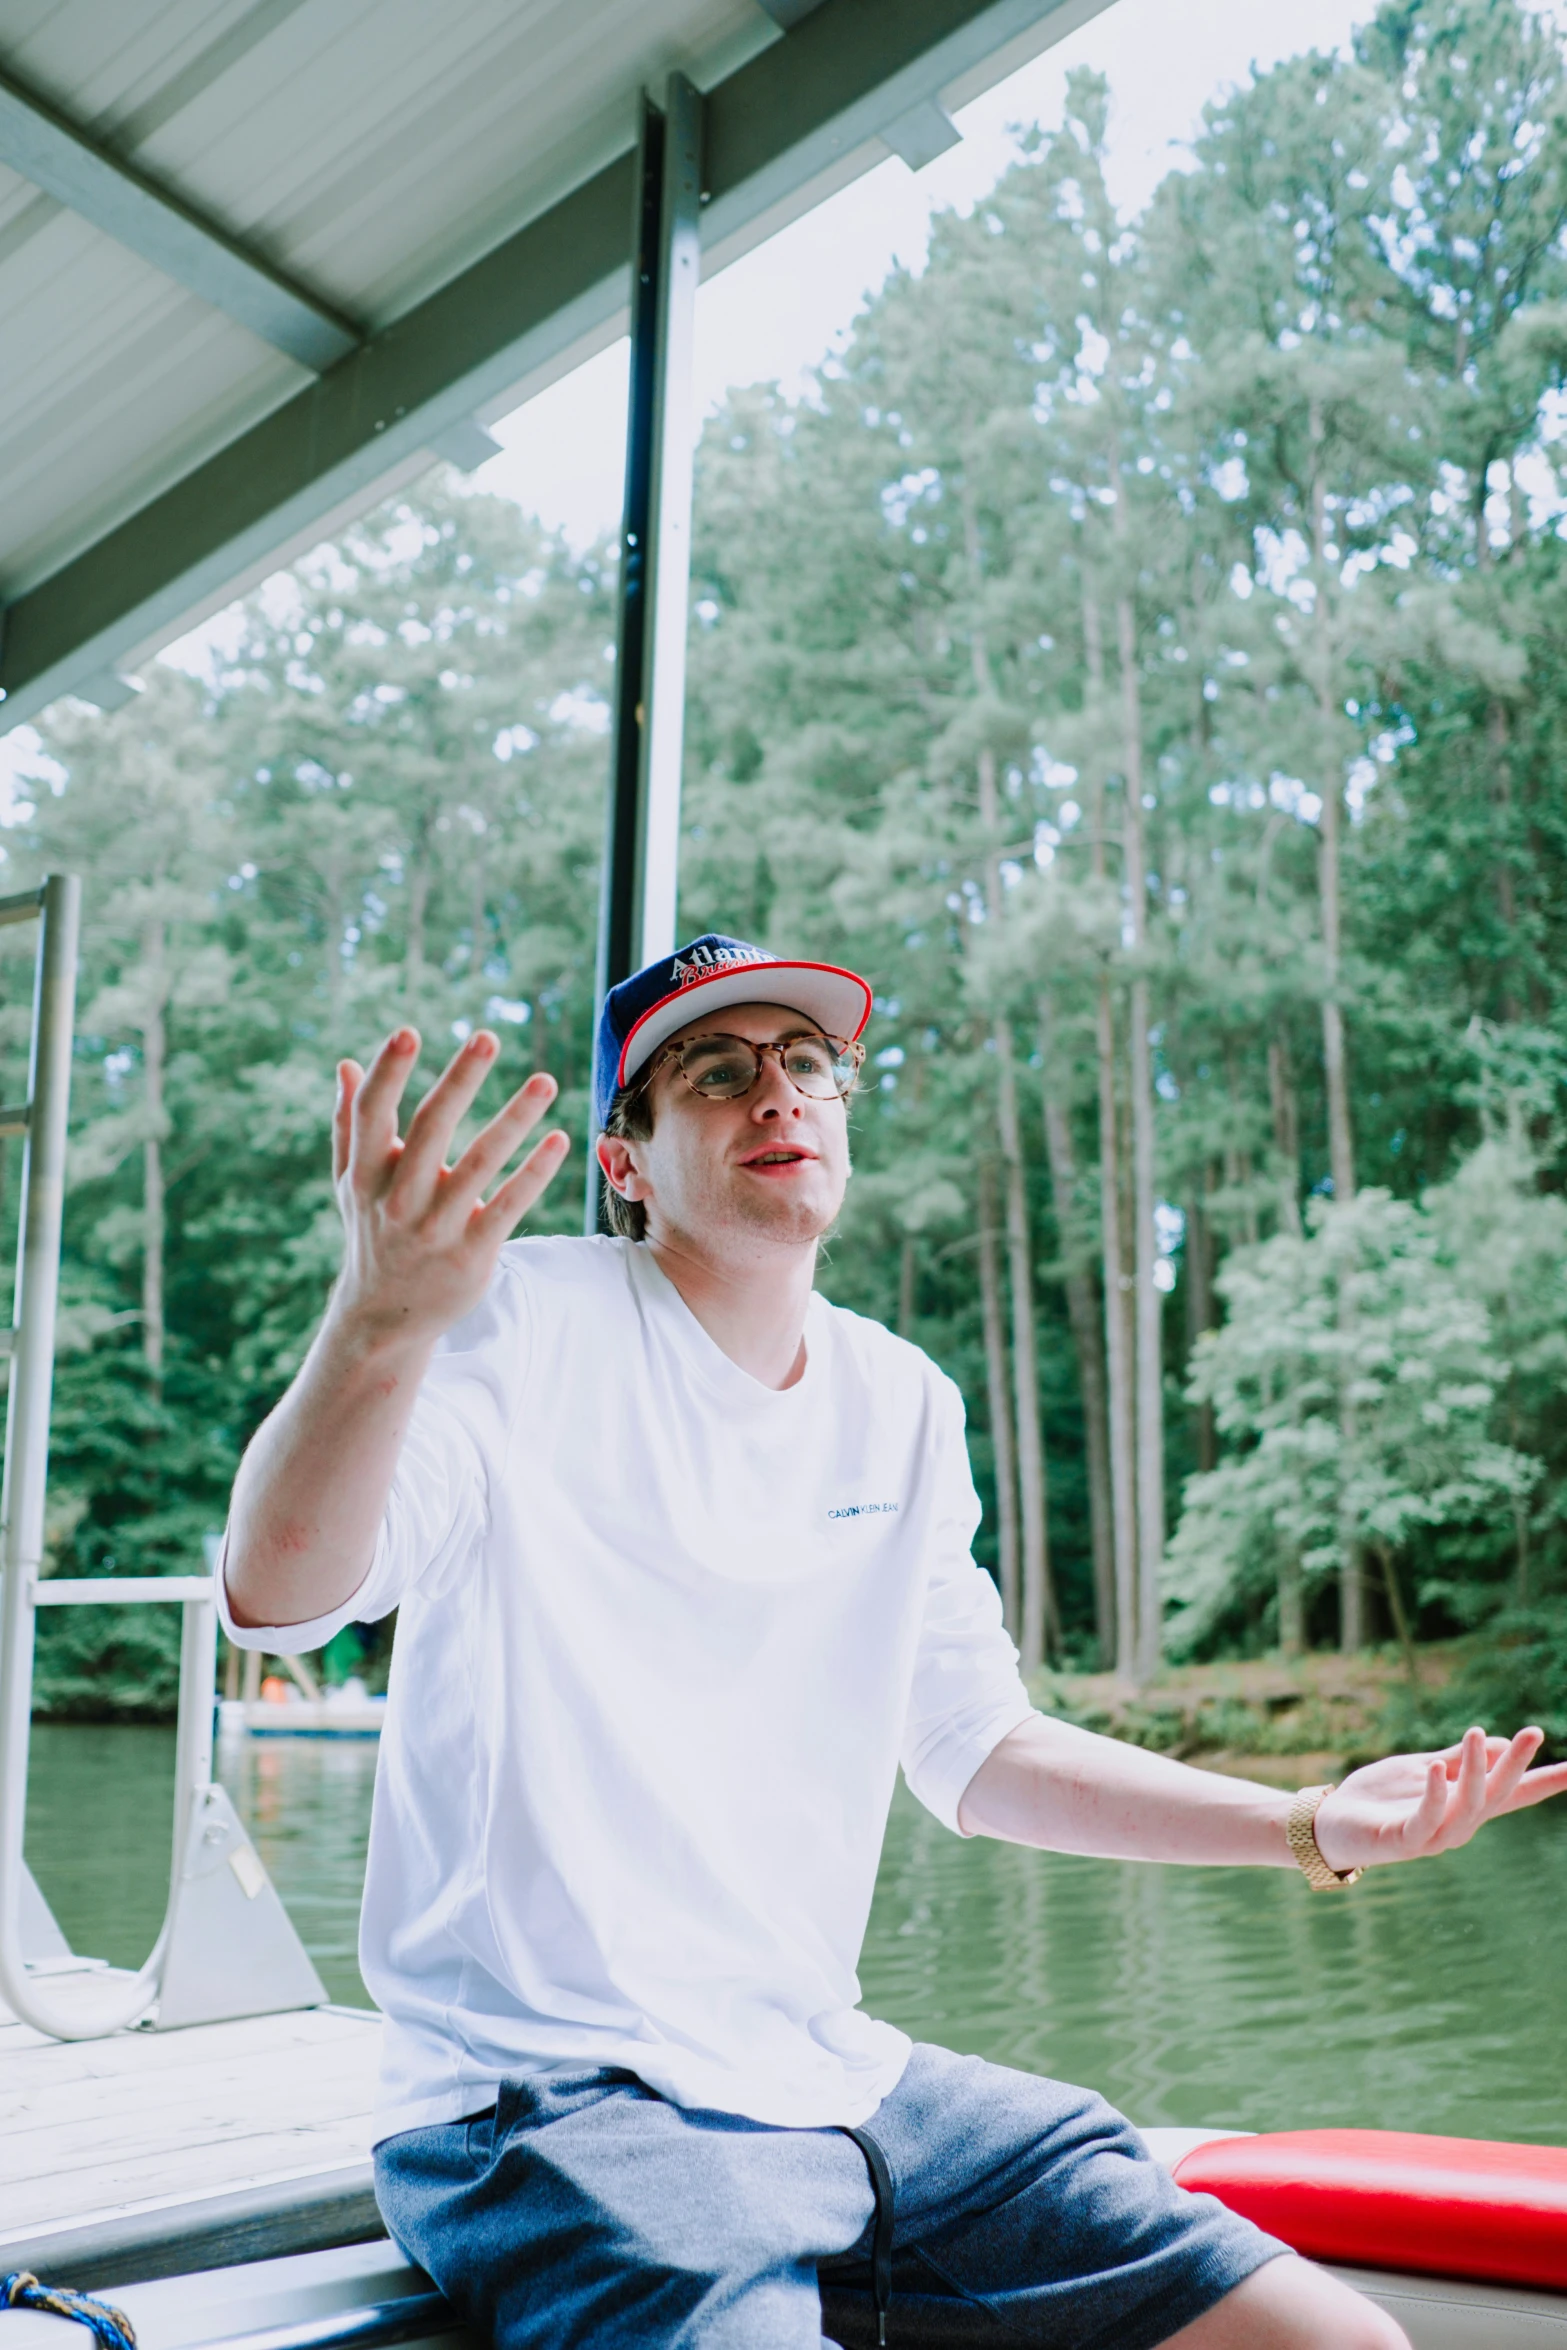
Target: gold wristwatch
(1300,1834)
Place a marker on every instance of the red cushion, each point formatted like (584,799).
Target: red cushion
(1452,2207)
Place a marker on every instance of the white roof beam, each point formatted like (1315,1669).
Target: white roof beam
(41,146)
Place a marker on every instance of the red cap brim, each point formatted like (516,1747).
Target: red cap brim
(838,1001)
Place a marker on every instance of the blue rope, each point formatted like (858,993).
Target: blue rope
(111,2327)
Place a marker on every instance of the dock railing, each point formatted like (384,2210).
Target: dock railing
(226,1947)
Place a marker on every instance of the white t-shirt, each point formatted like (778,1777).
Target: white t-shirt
(665,1636)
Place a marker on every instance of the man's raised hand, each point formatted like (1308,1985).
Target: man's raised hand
(421,1237)
(1415,1805)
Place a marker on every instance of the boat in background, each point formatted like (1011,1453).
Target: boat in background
(344,1709)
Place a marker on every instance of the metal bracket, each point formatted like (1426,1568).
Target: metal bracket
(232,1950)
(41,1938)
(467,444)
(922,133)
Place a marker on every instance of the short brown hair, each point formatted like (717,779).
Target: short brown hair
(630,1120)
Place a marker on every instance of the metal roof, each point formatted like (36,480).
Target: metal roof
(260,259)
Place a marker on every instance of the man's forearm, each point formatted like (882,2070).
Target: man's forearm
(1068,1790)
(312,1487)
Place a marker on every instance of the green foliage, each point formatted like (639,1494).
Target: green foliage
(1357,1377)
(1282,456)
(1512,1677)
(384,805)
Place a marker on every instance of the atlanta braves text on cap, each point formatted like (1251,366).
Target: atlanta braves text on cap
(701,978)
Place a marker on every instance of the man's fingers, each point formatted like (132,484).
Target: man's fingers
(490,1149)
(1466,1802)
(349,1079)
(1538,1786)
(1426,1824)
(373,1118)
(438,1116)
(1508,1767)
(518,1193)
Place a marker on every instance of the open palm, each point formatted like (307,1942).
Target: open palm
(1412,1805)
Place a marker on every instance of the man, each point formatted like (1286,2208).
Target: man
(682,1560)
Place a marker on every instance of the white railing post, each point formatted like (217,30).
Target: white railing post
(58,911)
(193,1738)
(225,1939)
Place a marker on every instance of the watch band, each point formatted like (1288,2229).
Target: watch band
(1300,1834)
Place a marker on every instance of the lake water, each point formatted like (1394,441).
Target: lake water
(1431,1998)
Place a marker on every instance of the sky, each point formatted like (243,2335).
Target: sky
(776,314)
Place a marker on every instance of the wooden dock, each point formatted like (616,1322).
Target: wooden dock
(150,2154)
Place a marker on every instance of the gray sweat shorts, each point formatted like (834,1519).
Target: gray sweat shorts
(989,2207)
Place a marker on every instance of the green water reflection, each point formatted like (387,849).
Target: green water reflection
(99,1807)
(1432,1998)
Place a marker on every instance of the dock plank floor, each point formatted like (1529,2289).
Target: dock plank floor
(91,2129)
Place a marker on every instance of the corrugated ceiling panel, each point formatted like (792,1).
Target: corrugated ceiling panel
(356,132)
(109,373)
(372,148)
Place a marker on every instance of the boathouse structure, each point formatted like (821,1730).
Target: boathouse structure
(261,263)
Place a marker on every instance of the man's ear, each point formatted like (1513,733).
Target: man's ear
(621,1171)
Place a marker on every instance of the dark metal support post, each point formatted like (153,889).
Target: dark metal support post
(637,906)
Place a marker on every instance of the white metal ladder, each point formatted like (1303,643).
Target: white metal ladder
(226,1947)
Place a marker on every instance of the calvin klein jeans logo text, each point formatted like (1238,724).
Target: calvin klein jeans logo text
(866,1509)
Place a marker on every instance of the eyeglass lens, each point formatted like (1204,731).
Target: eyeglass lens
(723,1067)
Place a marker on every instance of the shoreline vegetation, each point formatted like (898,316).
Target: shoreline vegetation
(1289,1722)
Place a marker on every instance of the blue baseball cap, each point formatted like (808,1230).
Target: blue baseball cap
(703,977)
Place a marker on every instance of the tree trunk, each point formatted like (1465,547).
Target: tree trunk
(1088,1341)
(1286,1133)
(333,921)
(1521,1592)
(1039,1625)
(1292,1603)
(998,1388)
(1120,1414)
(153,1043)
(1397,1610)
(1200,1315)
(1148,1328)
(1496,735)
(1147,1299)
(418,899)
(908,1276)
(1352,1554)
(479,956)
(1335,1064)
(1121,1411)
(1240,1175)
(1335,1061)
